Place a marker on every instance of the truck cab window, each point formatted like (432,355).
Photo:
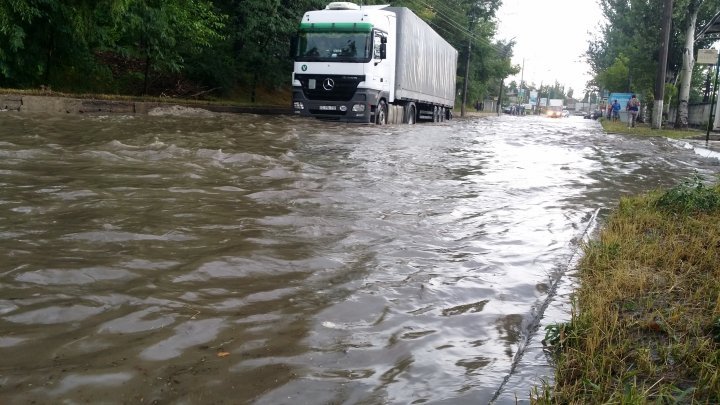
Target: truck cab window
(349,49)
(330,46)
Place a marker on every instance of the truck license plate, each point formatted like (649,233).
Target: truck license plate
(328,107)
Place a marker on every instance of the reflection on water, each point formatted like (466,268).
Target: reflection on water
(211,258)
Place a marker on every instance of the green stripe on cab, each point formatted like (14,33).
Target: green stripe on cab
(342,27)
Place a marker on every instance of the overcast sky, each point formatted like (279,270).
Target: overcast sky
(550,36)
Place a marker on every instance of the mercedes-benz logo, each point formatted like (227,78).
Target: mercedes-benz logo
(328,84)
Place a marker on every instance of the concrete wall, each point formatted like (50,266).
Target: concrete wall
(66,105)
(698,116)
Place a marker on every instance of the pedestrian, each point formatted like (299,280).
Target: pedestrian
(616,111)
(632,107)
(609,111)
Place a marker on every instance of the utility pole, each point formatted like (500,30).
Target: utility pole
(522,73)
(537,102)
(502,80)
(465,79)
(662,66)
(502,84)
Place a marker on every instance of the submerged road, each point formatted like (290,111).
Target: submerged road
(195,257)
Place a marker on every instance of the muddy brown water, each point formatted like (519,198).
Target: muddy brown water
(189,257)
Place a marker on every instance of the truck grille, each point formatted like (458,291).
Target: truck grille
(329,87)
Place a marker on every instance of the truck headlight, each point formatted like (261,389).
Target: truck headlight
(298,105)
(358,107)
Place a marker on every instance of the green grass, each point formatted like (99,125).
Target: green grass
(645,326)
(644,129)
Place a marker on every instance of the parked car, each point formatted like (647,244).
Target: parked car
(565,113)
(593,115)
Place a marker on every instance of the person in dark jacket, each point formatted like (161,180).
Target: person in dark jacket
(633,108)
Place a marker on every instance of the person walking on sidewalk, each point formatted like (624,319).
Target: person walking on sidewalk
(615,111)
(633,108)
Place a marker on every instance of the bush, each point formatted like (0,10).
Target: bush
(690,197)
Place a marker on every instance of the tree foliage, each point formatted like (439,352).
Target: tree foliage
(83,44)
(222,47)
(629,43)
(616,76)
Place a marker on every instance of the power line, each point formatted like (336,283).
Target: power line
(451,21)
(500,49)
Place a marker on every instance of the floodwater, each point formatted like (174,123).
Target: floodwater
(186,257)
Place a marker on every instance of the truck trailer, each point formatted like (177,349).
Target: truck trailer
(371,64)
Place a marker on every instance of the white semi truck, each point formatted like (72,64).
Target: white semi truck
(371,64)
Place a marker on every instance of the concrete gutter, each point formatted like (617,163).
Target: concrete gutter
(66,105)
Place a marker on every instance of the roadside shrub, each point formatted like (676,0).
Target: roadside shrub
(689,197)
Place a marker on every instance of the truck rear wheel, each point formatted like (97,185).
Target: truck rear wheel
(381,113)
(441,114)
(410,113)
(436,115)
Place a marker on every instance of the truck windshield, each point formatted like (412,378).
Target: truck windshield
(333,46)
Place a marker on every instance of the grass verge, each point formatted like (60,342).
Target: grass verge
(646,318)
(645,130)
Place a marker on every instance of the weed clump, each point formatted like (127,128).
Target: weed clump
(690,197)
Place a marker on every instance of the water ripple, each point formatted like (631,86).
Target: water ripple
(194,257)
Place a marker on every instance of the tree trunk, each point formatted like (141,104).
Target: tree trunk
(254,86)
(48,59)
(147,74)
(662,65)
(681,120)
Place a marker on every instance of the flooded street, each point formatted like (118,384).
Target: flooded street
(201,258)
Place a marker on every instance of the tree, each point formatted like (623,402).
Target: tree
(137,46)
(631,30)
(258,39)
(615,77)
(45,42)
(696,9)
(67,44)
(163,32)
(468,25)
(630,38)
(687,64)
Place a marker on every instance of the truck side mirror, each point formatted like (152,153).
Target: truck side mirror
(383,51)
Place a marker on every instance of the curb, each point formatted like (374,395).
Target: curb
(66,105)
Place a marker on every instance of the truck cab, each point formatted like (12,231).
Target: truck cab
(343,63)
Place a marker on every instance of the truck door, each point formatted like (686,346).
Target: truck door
(381,65)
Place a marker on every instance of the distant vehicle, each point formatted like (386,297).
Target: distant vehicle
(593,115)
(565,113)
(553,113)
(555,108)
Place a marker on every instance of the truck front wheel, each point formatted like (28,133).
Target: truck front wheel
(381,113)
